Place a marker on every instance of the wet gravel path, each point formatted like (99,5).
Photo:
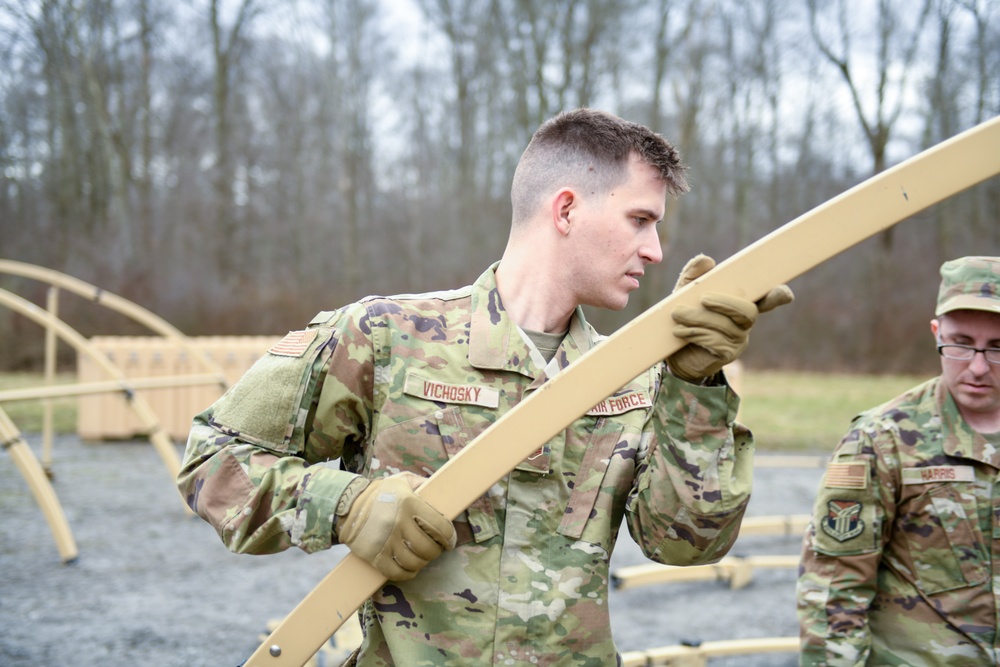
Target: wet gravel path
(155,587)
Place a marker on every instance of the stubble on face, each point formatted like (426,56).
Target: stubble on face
(973,384)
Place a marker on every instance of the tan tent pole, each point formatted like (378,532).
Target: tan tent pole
(40,486)
(161,441)
(115,303)
(788,252)
(52,305)
(697,655)
(785,524)
(737,570)
(106,386)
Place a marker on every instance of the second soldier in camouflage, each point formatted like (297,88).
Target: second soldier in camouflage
(899,562)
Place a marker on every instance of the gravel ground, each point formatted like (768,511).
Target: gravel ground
(155,587)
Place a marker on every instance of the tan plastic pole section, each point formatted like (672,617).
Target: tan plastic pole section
(105,387)
(52,305)
(697,656)
(731,568)
(786,524)
(161,441)
(786,253)
(115,303)
(41,487)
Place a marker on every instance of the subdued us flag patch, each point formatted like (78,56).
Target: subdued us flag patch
(846,475)
(294,344)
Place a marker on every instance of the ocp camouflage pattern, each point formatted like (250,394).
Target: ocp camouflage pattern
(897,563)
(404,383)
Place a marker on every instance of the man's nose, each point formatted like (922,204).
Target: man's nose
(651,250)
(978,363)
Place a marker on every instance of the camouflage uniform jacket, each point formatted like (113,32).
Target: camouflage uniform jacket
(897,564)
(403,383)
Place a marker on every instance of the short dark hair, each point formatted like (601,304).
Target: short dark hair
(589,149)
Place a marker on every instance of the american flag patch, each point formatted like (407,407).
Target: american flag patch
(294,344)
(846,476)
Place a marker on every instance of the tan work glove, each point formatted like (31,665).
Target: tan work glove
(718,331)
(394,529)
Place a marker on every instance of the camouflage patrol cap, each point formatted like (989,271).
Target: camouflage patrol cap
(969,283)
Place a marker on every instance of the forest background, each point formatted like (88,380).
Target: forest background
(236,166)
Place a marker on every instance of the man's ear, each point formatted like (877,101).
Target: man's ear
(564,204)
(935,325)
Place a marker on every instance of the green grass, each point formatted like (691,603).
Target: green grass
(27,415)
(810,412)
(787,411)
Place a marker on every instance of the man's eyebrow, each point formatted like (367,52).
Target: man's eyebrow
(645,212)
(958,335)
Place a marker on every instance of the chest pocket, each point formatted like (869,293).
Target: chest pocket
(609,438)
(587,486)
(943,539)
(428,432)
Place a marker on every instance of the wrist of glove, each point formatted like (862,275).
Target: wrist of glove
(718,329)
(395,530)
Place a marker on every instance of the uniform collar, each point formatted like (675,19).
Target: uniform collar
(495,342)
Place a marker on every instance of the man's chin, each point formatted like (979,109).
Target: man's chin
(610,302)
(618,305)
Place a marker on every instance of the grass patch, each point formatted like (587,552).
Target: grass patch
(27,415)
(810,412)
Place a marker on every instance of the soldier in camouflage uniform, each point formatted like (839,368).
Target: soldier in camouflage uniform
(898,563)
(394,387)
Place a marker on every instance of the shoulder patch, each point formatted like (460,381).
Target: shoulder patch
(843,519)
(853,475)
(294,344)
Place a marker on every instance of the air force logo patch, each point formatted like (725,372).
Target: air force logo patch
(843,520)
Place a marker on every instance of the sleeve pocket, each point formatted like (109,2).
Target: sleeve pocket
(263,408)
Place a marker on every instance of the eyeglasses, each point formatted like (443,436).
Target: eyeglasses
(968,353)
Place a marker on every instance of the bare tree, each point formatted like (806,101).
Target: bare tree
(111,160)
(670,39)
(895,44)
(351,69)
(245,171)
(895,41)
(229,42)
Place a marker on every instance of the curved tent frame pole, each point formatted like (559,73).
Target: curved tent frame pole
(25,459)
(164,445)
(116,303)
(56,281)
(41,487)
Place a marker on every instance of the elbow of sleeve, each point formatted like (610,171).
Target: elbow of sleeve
(694,539)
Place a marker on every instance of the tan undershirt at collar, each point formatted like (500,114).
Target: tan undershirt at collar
(547,343)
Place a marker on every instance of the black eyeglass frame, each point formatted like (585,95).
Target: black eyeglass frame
(988,352)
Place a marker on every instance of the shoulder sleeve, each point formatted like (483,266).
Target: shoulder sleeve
(251,467)
(842,549)
(265,407)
